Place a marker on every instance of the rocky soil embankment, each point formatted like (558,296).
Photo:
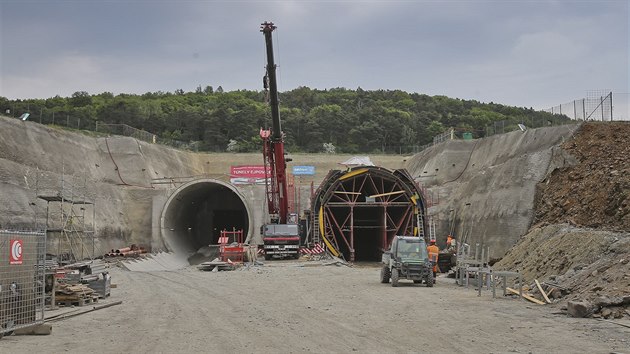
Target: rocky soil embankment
(581,237)
(595,192)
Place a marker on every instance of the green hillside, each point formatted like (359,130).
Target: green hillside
(353,121)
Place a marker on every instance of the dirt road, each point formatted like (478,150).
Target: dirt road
(285,307)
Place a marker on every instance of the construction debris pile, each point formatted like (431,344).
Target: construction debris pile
(218,265)
(579,247)
(77,284)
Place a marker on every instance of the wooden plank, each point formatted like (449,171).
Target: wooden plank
(353,173)
(525,296)
(551,289)
(385,194)
(544,294)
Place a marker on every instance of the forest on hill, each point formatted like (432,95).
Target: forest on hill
(348,121)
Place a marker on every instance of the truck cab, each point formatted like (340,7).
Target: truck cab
(281,240)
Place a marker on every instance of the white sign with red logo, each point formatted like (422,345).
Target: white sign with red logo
(15,252)
(248,174)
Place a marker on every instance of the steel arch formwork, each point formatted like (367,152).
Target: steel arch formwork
(362,209)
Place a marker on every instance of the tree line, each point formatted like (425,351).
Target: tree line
(352,121)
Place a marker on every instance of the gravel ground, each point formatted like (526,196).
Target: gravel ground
(299,306)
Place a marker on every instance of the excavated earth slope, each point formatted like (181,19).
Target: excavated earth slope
(581,239)
(595,192)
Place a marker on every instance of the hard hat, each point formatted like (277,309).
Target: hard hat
(432,241)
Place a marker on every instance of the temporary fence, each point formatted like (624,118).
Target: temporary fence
(22,285)
(126,130)
(598,105)
(447,135)
(509,125)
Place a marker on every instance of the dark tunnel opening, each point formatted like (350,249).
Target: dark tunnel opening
(194,216)
(373,227)
(368,234)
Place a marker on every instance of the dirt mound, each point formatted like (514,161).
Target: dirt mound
(595,192)
(584,264)
(581,242)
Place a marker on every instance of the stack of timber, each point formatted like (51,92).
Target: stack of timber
(94,274)
(74,295)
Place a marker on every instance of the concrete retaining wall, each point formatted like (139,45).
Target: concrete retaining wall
(486,186)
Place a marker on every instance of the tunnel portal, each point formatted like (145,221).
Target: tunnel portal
(196,212)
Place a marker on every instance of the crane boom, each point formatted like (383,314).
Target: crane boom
(276,130)
(280,236)
(273,140)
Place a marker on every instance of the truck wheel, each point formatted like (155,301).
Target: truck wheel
(267,257)
(430,280)
(385,275)
(395,276)
(296,256)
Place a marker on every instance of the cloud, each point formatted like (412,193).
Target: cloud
(61,75)
(530,53)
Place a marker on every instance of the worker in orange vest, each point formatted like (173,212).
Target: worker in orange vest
(433,251)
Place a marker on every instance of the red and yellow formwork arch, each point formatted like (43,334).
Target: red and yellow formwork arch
(359,211)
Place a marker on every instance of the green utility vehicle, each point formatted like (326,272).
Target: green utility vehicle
(407,259)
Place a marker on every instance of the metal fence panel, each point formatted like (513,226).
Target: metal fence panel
(22,260)
(598,105)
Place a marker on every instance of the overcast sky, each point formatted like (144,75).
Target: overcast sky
(524,53)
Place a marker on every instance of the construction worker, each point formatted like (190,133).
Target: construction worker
(433,251)
(453,247)
(449,238)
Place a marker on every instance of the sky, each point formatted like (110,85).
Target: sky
(527,53)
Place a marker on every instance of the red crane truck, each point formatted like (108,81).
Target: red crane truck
(280,235)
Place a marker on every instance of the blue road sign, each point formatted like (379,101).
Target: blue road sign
(303,170)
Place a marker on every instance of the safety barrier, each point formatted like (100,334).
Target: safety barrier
(22,262)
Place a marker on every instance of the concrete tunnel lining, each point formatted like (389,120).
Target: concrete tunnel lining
(195,213)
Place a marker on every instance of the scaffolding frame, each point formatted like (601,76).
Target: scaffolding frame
(67,205)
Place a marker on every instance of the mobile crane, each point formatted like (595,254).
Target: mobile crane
(281,235)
